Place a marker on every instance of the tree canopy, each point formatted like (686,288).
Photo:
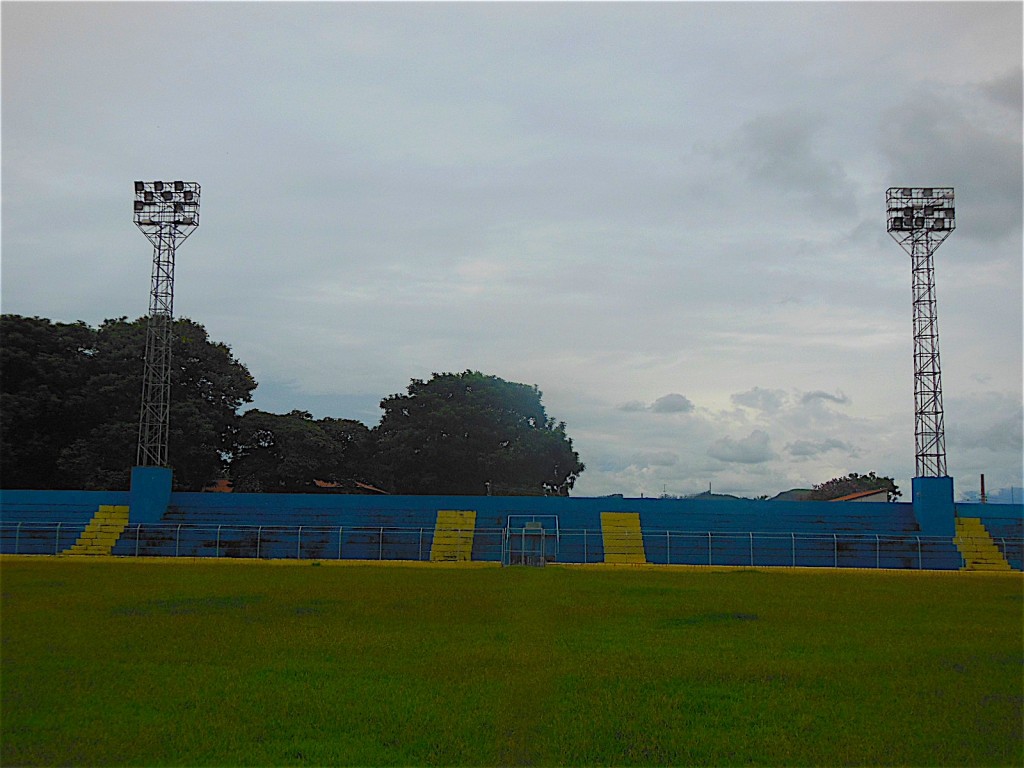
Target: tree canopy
(290,452)
(468,433)
(70,397)
(838,487)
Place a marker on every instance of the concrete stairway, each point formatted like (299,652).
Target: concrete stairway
(622,537)
(102,532)
(979,551)
(453,536)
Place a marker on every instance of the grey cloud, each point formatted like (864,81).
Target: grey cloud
(633,406)
(779,148)
(811,397)
(805,448)
(753,449)
(767,400)
(936,138)
(672,403)
(1006,90)
(655,459)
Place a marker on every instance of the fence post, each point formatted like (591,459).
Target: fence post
(584,546)
(668,548)
(709,547)
(138,533)
(259,535)
(217,551)
(298,546)
(380,545)
(835,551)
(177,539)
(17,537)
(793,536)
(341,533)
(56,543)
(420,555)
(751,548)
(918,553)
(878,556)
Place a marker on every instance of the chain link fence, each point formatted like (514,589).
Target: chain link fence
(529,544)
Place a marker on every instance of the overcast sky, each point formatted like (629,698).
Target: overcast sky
(670,217)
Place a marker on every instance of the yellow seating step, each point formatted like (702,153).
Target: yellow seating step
(623,541)
(979,551)
(453,535)
(102,532)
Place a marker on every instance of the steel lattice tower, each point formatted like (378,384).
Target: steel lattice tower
(167,213)
(920,219)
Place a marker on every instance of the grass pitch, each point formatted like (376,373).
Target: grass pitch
(150,663)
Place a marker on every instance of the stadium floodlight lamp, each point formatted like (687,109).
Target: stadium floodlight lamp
(920,219)
(913,213)
(166,209)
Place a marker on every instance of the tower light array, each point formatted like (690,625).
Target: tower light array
(920,219)
(167,213)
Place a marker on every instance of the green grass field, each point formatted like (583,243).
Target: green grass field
(151,663)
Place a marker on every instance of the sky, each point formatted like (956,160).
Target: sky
(670,217)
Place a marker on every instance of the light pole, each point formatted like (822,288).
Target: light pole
(167,213)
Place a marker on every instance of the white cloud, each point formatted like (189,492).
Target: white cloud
(753,449)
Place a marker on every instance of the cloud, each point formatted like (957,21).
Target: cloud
(655,459)
(767,400)
(808,448)
(633,406)
(780,148)
(672,403)
(809,398)
(753,449)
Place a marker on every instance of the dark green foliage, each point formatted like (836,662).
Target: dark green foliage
(838,487)
(466,433)
(43,370)
(71,398)
(287,453)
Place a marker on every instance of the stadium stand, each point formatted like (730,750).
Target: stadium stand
(512,529)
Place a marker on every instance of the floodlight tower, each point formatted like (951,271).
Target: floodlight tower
(167,213)
(920,219)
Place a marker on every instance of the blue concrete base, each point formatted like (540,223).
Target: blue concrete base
(150,494)
(933,505)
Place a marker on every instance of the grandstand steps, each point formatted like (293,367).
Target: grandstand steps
(453,536)
(622,537)
(979,551)
(102,532)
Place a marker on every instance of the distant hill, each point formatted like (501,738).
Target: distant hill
(708,495)
(793,494)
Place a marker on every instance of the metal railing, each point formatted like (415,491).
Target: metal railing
(528,544)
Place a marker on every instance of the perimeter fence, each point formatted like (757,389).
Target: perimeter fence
(512,546)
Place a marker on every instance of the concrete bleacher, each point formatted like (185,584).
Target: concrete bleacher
(50,522)
(553,529)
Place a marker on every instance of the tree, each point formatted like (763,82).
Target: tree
(288,452)
(70,397)
(838,487)
(43,371)
(468,433)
